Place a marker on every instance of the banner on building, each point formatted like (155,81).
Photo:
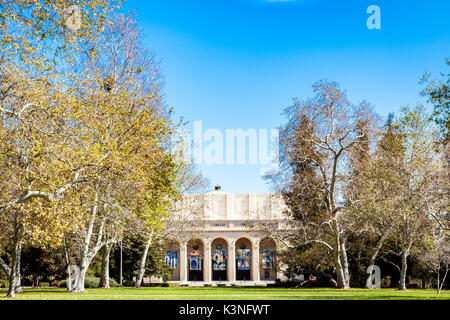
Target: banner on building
(268,258)
(195,260)
(171,259)
(219,262)
(243,259)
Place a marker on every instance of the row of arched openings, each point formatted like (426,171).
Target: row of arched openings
(220,255)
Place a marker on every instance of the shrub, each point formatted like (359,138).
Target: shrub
(91,282)
(128,283)
(4,284)
(173,285)
(113,283)
(55,283)
(62,284)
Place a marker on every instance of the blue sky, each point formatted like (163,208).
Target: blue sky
(238,63)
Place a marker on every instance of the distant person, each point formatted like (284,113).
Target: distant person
(36,282)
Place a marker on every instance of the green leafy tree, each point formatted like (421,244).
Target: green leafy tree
(438,93)
(373,189)
(419,177)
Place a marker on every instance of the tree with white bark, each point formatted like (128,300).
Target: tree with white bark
(315,144)
(420,178)
(437,256)
(39,168)
(122,124)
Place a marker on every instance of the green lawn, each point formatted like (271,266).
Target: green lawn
(229,293)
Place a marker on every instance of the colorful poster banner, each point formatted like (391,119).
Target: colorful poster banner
(195,264)
(219,260)
(267,258)
(171,259)
(243,259)
(195,260)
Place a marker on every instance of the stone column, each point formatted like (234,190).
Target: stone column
(231,268)
(280,267)
(255,261)
(207,262)
(183,262)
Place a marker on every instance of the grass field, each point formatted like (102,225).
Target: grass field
(232,293)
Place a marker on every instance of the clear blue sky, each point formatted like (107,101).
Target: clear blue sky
(238,63)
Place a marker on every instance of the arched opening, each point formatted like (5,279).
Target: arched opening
(243,259)
(195,260)
(267,252)
(172,259)
(219,257)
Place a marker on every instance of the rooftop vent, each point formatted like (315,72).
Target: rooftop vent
(217,188)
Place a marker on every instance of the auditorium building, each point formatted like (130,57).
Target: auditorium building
(227,239)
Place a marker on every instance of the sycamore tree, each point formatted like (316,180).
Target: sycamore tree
(36,46)
(121,125)
(401,191)
(33,91)
(36,164)
(436,255)
(315,144)
(99,129)
(154,197)
(373,190)
(419,179)
(46,34)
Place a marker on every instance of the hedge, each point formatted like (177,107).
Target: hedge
(91,282)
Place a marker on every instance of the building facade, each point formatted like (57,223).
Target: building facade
(226,238)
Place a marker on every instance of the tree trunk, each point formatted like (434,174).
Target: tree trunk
(17,280)
(104,278)
(5,268)
(337,256)
(438,279)
(14,275)
(443,280)
(338,266)
(86,254)
(373,258)
(344,262)
(83,267)
(402,280)
(143,261)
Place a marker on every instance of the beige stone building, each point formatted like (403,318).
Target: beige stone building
(225,238)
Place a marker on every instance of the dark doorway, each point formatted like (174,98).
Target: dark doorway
(196,275)
(220,275)
(243,275)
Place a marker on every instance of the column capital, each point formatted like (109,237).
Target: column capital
(256,260)
(231,268)
(183,262)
